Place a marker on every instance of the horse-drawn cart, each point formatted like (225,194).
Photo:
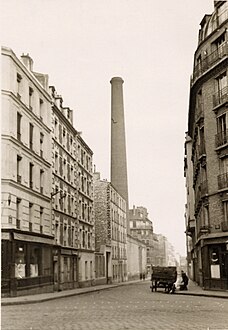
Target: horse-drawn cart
(163,277)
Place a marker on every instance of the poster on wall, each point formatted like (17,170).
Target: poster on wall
(215,271)
(33,270)
(19,270)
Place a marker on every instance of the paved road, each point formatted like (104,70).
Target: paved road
(131,307)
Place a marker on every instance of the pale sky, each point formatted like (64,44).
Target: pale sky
(81,45)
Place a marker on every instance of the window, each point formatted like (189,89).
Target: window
(19,126)
(56,162)
(223,176)
(41,144)
(31,136)
(41,109)
(41,219)
(31,175)
(91,270)
(41,181)
(225,206)
(19,168)
(221,87)
(30,216)
(19,78)
(222,136)
(56,128)
(82,157)
(18,213)
(65,235)
(86,270)
(30,98)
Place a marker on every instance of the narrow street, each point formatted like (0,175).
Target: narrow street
(127,307)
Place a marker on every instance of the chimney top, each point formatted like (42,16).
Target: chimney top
(116,79)
(27,61)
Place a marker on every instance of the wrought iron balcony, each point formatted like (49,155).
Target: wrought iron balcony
(220,97)
(223,181)
(221,138)
(208,61)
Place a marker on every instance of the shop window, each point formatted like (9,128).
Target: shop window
(20,260)
(35,261)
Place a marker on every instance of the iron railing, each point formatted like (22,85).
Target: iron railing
(223,181)
(208,61)
(220,97)
(221,138)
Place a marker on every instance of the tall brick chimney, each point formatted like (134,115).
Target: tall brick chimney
(118,142)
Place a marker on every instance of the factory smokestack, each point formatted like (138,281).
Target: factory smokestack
(118,142)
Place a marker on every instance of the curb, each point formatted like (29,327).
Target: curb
(97,289)
(66,295)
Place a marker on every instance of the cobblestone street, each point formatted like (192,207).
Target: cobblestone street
(126,307)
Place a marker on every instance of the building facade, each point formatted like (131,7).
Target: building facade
(111,231)
(27,239)
(142,229)
(85,213)
(65,223)
(48,237)
(207,127)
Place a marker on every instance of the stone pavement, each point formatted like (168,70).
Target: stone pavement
(193,290)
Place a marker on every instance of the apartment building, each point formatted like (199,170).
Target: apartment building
(64,195)
(85,212)
(27,240)
(111,232)
(141,228)
(207,129)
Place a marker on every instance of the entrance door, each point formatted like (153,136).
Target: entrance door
(224,269)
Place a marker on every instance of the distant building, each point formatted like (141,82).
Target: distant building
(110,232)
(142,229)
(27,239)
(207,129)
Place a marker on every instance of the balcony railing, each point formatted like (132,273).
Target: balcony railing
(221,138)
(223,181)
(220,97)
(208,61)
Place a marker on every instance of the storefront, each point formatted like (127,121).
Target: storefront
(215,264)
(27,263)
(65,268)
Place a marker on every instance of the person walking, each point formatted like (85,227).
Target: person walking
(184,285)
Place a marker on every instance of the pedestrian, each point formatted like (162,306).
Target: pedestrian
(144,276)
(184,285)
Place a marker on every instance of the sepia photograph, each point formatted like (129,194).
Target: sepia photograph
(114,164)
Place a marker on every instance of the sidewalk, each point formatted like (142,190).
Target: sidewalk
(193,290)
